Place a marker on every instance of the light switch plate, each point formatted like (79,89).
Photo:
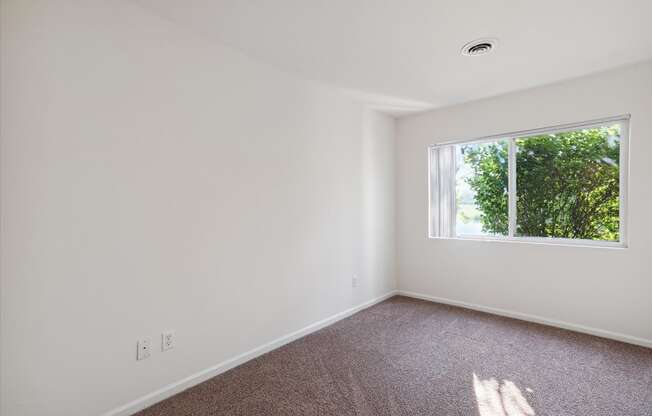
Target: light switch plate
(144,349)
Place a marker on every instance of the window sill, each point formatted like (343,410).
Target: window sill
(540,241)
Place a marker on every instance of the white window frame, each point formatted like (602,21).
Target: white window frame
(434,180)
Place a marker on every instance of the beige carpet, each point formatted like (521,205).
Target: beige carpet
(411,357)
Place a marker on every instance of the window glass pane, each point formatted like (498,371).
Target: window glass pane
(481,188)
(567,184)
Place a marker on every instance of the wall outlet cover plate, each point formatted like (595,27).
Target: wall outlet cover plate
(167,340)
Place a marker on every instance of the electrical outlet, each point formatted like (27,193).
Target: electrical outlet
(355,281)
(144,349)
(167,340)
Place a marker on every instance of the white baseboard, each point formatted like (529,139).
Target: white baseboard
(194,379)
(533,318)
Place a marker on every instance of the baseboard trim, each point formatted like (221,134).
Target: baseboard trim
(194,379)
(533,318)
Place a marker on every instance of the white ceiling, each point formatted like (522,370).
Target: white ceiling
(408,51)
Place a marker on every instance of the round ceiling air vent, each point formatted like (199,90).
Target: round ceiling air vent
(479,47)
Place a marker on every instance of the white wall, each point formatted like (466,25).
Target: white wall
(152,180)
(605,289)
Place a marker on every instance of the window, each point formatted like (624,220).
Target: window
(565,184)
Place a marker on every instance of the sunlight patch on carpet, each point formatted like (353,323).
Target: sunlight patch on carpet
(496,399)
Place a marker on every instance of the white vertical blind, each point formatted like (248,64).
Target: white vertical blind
(511,187)
(442,204)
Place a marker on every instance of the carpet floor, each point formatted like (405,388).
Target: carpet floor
(410,357)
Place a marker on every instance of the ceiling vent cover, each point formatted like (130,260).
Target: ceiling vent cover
(479,47)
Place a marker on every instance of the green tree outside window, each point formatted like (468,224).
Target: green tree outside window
(567,184)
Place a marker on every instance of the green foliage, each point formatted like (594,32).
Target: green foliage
(489,181)
(567,184)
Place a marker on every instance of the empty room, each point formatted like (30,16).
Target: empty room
(325,208)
